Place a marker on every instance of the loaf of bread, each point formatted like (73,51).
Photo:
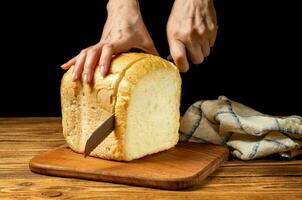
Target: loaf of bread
(143,91)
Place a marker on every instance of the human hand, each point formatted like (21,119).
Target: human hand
(124,29)
(192,26)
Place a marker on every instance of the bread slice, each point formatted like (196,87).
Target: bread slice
(144,93)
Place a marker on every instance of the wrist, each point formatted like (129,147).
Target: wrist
(119,5)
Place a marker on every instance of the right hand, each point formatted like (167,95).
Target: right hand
(192,28)
(123,30)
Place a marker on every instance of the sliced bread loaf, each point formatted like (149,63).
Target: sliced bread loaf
(143,91)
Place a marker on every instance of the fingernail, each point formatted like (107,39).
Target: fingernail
(102,70)
(86,78)
(74,76)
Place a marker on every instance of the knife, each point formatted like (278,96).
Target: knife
(100,133)
(169,58)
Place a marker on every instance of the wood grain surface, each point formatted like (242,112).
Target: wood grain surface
(186,165)
(23,138)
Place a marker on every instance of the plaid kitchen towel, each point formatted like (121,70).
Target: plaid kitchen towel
(248,133)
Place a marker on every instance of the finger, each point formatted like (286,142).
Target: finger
(211,30)
(212,37)
(105,60)
(78,67)
(92,58)
(205,47)
(211,18)
(211,24)
(68,64)
(109,50)
(195,52)
(178,53)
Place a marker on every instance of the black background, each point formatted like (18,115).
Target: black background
(256,58)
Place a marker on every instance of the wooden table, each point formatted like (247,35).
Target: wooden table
(22,138)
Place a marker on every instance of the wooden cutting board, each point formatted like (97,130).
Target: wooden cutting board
(183,166)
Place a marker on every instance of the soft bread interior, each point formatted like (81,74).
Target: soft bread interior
(143,91)
(153,114)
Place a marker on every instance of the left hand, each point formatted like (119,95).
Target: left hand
(124,29)
(192,26)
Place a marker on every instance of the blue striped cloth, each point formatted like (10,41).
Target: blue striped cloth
(248,133)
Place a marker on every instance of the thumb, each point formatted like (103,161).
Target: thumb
(178,53)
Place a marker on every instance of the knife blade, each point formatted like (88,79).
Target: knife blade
(169,58)
(100,133)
